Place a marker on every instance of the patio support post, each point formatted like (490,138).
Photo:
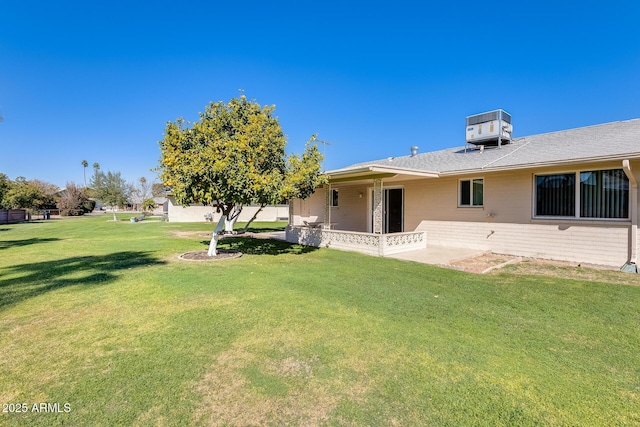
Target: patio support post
(327,207)
(377,206)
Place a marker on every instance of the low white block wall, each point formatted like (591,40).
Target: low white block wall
(367,243)
(603,243)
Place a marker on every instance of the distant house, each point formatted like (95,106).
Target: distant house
(162,206)
(570,195)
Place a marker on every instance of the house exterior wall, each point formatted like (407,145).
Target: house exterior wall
(351,212)
(592,244)
(309,210)
(504,224)
(177,213)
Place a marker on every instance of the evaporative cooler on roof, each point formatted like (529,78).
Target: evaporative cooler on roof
(490,128)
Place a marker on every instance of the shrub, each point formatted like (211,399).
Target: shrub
(148,205)
(71,212)
(88,205)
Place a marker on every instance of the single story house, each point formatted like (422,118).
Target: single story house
(570,195)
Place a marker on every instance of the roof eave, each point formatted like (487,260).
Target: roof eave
(372,171)
(611,158)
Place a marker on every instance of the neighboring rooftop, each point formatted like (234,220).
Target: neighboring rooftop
(609,141)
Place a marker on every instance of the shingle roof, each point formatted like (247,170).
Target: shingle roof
(610,141)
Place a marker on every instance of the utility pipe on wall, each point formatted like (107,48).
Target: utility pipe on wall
(633,202)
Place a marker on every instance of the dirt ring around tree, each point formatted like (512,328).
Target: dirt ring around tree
(223,255)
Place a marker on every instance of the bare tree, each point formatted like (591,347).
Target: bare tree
(143,190)
(71,201)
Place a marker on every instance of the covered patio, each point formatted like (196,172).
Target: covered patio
(361,209)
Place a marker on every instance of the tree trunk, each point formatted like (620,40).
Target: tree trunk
(228,225)
(230,218)
(114,214)
(246,227)
(226,222)
(216,236)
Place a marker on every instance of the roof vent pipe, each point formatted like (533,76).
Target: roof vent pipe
(414,150)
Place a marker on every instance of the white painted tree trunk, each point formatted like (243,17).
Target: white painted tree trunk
(114,214)
(225,223)
(230,220)
(228,224)
(216,236)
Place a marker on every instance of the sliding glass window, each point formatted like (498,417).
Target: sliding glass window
(604,194)
(556,195)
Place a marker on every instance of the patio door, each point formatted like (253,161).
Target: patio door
(393,210)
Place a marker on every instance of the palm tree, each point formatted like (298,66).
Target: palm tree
(84,165)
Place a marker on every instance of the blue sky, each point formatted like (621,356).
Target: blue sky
(98,81)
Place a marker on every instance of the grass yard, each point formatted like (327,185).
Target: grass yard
(101,321)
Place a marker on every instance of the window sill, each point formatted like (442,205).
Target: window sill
(565,220)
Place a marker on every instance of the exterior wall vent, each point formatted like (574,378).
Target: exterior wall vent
(490,128)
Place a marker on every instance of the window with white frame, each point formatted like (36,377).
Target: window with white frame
(601,194)
(471,192)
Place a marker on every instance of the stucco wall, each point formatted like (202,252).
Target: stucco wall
(195,213)
(351,212)
(504,223)
(310,210)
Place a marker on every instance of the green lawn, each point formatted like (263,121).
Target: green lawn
(103,317)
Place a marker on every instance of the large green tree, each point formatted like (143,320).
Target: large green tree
(111,188)
(29,194)
(233,156)
(4,187)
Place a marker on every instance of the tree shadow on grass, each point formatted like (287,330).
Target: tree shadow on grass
(25,242)
(251,246)
(23,281)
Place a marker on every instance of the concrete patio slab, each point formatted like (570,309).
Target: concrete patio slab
(438,255)
(275,235)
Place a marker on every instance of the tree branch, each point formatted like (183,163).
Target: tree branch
(246,227)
